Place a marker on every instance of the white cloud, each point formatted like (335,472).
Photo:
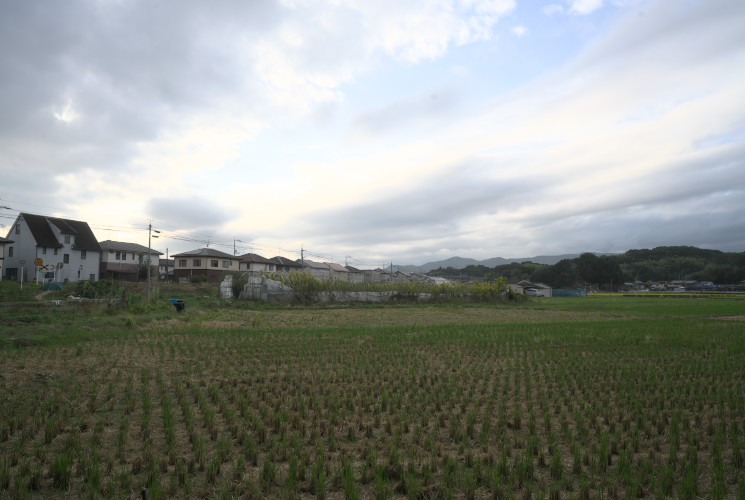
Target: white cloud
(519,30)
(552,9)
(584,7)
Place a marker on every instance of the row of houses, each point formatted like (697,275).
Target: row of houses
(211,265)
(40,248)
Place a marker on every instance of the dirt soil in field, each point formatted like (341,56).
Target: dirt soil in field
(325,318)
(735,317)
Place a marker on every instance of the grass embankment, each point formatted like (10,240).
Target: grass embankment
(558,398)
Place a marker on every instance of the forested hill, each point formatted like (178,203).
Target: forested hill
(657,264)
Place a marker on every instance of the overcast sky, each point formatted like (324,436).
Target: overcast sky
(378,131)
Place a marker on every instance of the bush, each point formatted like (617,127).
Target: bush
(103,289)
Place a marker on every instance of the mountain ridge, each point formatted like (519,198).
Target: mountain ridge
(462,262)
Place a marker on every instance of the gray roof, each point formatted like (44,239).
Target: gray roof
(5,240)
(44,236)
(123,246)
(337,267)
(315,265)
(254,257)
(205,252)
(283,261)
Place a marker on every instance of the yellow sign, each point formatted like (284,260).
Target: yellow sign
(38,261)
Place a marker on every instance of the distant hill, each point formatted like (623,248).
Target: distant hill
(461,262)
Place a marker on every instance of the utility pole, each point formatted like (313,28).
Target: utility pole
(302,258)
(150,230)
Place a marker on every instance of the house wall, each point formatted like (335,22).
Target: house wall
(256,268)
(205,268)
(127,266)
(78,268)
(320,273)
(24,248)
(2,258)
(355,277)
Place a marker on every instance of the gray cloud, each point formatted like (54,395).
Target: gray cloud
(430,208)
(191,214)
(433,107)
(127,70)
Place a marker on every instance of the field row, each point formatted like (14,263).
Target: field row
(621,409)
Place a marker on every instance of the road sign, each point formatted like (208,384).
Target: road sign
(38,261)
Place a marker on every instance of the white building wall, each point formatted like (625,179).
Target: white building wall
(24,249)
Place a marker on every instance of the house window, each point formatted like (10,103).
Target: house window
(182,263)
(18,228)
(214,263)
(10,251)
(226,264)
(124,255)
(271,267)
(66,258)
(43,250)
(93,277)
(67,238)
(197,262)
(82,254)
(118,256)
(55,251)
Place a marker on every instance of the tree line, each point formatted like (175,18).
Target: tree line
(612,271)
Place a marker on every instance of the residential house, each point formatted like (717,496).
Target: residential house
(355,275)
(204,264)
(3,242)
(338,272)
(165,269)
(285,265)
(127,261)
(402,276)
(51,248)
(377,275)
(255,264)
(318,270)
(541,290)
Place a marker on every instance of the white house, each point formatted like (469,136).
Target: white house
(3,242)
(255,264)
(123,261)
(51,248)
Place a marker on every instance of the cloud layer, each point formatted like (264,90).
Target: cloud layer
(386,130)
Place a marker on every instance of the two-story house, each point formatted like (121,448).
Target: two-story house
(318,270)
(51,248)
(255,264)
(285,265)
(3,242)
(204,263)
(127,261)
